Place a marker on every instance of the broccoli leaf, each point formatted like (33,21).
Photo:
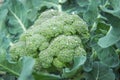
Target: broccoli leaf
(39,4)
(13,68)
(75,7)
(3,15)
(4,43)
(100,72)
(113,18)
(107,56)
(5,64)
(17,18)
(82,2)
(46,76)
(113,34)
(88,65)
(26,74)
(78,62)
(91,14)
(115,4)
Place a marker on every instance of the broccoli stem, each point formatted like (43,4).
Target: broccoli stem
(19,21)
(9,70)
(11,44)
(59,6)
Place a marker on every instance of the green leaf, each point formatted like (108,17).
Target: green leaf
(46,76)
(27,68)
(3,15)
(88,65)
(21,15)
(74,7)
(13,68)
(8,77)
(113,18)
(115,4)
(100,72)
(4,43)
(82,2)
(104,2)
(1,78)
(17,19)
(78,62)
(114,32)
(118,44)
(107,56)
(91,14)
(31,10)
(48,3)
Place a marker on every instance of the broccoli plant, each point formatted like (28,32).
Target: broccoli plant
(53,41)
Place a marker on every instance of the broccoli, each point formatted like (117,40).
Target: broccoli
(54,40)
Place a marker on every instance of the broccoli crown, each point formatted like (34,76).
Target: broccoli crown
(54,40)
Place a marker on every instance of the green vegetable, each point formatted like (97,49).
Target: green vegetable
(54,40)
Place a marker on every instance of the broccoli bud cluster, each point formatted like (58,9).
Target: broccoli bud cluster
(54,40)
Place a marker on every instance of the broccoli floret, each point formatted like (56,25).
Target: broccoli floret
(18,50)
(54,40)
(57,63)
(61,48)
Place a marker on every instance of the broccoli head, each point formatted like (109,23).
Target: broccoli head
(54,40)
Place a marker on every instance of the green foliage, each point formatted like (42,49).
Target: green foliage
(95,35)
(29,63)
(100,72)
